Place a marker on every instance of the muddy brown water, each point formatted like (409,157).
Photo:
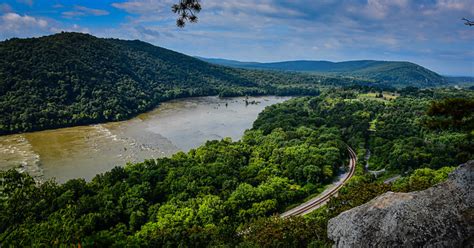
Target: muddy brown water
(84,151)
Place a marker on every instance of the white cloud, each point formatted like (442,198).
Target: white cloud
(379,9)
(265,7)
(454,4)
(217,10)
(16,25)
(272,30)
(446,6)
(14,21)
(84,11)
(95,12)
(145,6)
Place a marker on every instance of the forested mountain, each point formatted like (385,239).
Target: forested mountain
(393,73)
(461,80)
(72,79)
(224,193)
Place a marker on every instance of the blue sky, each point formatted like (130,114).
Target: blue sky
(427,32)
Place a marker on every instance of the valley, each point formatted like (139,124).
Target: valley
(120,143)
(84,151)
(231,191)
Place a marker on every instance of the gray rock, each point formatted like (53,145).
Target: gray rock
(441,216)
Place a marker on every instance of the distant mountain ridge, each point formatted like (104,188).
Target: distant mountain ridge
(461,80)
(395,73)
(71,79)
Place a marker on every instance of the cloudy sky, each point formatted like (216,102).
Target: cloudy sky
(427,32)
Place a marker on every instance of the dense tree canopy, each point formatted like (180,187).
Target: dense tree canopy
(225,192)
(452,113)
(74,79)
(382,73)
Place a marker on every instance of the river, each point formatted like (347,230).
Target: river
(84,151)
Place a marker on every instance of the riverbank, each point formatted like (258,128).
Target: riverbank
(176,125)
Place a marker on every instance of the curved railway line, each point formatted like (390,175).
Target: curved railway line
(320,200)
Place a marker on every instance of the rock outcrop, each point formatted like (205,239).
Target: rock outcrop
(441,216)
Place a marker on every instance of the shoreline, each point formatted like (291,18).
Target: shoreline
(140,113)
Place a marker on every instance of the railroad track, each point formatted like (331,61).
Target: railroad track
(320,200)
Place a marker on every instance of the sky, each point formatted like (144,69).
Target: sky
(427,32)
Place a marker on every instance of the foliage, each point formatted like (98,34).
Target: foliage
(452,112)
(72,79)
(422,179)
(185,200)
(186,10)
(290,232)
(380,73)
(310,231)
(225,192)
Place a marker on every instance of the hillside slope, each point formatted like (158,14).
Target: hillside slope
(387,72)
(72,79)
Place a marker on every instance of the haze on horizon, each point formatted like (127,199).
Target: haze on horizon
(427,32)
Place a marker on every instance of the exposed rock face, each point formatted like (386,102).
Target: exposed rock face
(441,216)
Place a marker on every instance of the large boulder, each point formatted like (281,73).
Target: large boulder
(441,216)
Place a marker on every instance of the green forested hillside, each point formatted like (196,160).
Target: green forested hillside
(461,81)
(71,79)
(225,192)
(393,73)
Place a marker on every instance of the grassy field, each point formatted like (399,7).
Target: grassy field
(385,96)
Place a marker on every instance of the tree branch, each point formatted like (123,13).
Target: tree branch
(468,23)
(186,10)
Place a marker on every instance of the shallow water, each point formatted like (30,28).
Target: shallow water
(83,152)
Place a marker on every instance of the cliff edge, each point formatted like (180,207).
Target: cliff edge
(441,216)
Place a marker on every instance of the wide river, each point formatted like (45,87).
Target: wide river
(84,151)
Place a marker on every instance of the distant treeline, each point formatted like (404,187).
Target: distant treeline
(225,193)
(390,73)
(74,79)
